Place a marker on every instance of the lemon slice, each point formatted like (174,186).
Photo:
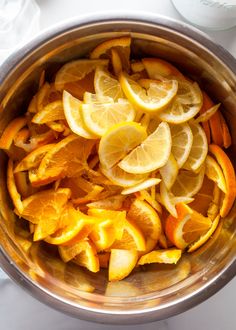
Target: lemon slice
(156,97)
(117,176)
(182,140)
(185,105)
(73,114)
(153,152)
(99,117)
(188,183)
(118,141)
(76,70)
(141,186)
(199,148)
(169,172)
(107,85)
(214,173)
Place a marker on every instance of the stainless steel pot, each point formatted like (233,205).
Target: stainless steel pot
(157,292)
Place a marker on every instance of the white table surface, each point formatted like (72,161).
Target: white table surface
(18,310)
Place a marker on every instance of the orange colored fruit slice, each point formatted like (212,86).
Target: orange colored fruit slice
(121,263)
(230,180)
(12,189)
(88,257)
(11,131)
(167,256)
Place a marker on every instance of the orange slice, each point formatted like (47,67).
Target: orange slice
(187,228)
(113,203)
(229,175)
(88,257)
(167,256)
(227,141)
(33,159)
(47,204)
(121,263)
(157,67)
(203,239)
(12,189)
(214,173)
(51,112)
(11,131)
(147,219)
(104,235)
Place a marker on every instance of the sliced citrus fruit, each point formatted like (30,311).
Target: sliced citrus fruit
(116,62)
(153,152)
(169,172)
(169,200)
(155,98)
(11,131)
(132,238)
(144,195)
(88,257)
(214,173)
(121,45)
(68,252)
(205,116)
(204,238)
(147,219)
(33,159)
(185,105)
(104,235)
(67,158)
(167,256)
(198,150)
(227,141)
(99,117)
(74,118)
(182,140)
(113,203)
(188,227)
(121,178)
(119,141)
(23,186)
(188,183)
(229,174)
(76,70)
(47,204)
(121,263)
(148,183)
(106,85)
(157,67)
(12,189)
(51,112)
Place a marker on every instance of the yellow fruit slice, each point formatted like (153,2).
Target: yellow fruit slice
(12,189)
(116,62)
(214,173)
(153,152)
(157,67)
(104,235)
(167,256)
(51,112)
(147,219)
(106,85)
(132,238)
(33,159)
(121,178)
(88,257)
(169,172)
(99,117)
(205,116)
(185,105)
(113,203)
(121,45)
(155,98)
(11,131)
(76,70)
(188,183)
(182,140)
(169,200)
(187,228)
(203,239)
(119,141)
(230,180)
(121,264)
(148,183)
(199,148)
(74,118)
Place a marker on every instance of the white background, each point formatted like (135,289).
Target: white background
(19,311)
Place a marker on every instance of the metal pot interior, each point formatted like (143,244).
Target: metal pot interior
(156,291)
